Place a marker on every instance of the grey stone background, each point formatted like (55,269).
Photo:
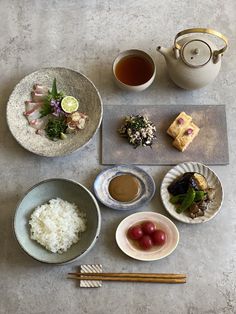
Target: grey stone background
(86,36)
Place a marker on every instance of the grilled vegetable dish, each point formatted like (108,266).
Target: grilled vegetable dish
(191,193)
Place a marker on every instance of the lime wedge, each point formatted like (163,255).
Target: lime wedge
(69,104)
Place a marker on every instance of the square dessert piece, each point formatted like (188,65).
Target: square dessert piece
(179,124)
(186,136)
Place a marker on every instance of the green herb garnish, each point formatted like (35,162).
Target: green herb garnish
(52,95)
(136,123)
(55,127)
(54,92)
(46,107)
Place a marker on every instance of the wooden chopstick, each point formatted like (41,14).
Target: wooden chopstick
(130,279)
(132,275)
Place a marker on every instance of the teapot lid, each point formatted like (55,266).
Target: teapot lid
(196,53)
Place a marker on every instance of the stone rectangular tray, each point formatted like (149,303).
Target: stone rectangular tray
(209,147)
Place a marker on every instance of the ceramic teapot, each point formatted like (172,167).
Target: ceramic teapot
(194,61)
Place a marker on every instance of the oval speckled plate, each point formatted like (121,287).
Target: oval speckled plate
(102,181)
(68,81)
(213,182)
(131,249)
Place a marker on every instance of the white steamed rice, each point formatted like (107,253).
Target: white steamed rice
(57,224)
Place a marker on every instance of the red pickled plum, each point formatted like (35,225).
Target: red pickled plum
(135,232)
(145,242)
(158,237)
(148,227)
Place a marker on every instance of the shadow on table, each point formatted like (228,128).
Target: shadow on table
(12,255)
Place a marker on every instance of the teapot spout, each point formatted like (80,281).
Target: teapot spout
(163,51)
(168,53)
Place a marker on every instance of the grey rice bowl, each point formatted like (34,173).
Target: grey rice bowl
(41,193)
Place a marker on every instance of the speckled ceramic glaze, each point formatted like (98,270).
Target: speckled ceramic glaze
(69,191)
(156,252)
(68,81)
(102,181)
(213,182)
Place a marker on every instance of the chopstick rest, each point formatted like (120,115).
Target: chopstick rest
(95,269)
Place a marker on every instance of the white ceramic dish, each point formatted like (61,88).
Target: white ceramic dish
(213,181)
(139,53)
(156,252)
(71,83)
(101,183)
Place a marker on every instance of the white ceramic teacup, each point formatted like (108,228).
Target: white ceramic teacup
(138,53)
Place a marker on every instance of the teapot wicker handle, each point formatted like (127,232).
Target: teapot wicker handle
(210,31)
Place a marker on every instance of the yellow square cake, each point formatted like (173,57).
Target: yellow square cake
(186,136)
(180,123)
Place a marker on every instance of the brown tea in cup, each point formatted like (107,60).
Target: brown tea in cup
(134,70)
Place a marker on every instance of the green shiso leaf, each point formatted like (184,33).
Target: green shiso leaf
(54,92)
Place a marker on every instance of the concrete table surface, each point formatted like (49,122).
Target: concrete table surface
(86,36)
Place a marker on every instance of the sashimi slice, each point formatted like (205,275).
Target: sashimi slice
(35,114)
(41,132)
(40,89)
(39,123)
(30,107)
(37,97)
(29,104)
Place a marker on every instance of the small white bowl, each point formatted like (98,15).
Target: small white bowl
(156,252)
(136,52)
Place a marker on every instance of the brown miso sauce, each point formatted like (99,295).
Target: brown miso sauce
(134,70)
(124,188)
